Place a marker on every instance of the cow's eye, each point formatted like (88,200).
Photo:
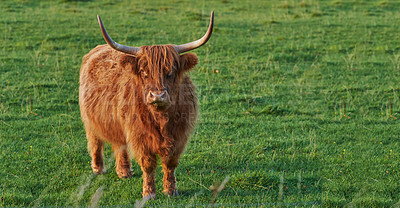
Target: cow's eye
(170,76)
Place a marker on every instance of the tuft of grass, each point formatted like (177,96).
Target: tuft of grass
(303,4)
(316,14)
(383,3)
(285,5)
(338,3)
(272,22)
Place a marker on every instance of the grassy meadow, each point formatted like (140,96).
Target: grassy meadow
(299,102)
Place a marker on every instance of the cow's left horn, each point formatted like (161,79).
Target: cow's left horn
(195,44)
(115,45)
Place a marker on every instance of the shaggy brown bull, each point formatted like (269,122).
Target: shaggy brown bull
(141,100)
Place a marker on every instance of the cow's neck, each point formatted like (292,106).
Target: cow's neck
(160,121)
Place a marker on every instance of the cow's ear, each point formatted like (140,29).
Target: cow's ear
(129,63)
(188,61)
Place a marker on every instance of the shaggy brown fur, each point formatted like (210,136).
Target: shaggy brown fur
(113,98)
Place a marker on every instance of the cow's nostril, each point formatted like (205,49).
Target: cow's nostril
(152,95)
(163,95)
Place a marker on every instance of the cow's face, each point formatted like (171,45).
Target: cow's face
(159,69)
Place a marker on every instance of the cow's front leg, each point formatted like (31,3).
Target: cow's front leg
(122,161)
(169,164)
(148,165)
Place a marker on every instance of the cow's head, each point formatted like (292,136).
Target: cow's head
(160,68)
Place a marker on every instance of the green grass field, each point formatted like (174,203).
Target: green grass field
(299,102)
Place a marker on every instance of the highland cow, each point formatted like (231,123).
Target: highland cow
(142,102)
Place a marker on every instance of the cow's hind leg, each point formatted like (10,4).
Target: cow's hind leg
(122,161)
(148,164)
(95,148)
(169,163)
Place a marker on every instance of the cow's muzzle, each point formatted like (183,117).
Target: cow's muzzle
(158,99)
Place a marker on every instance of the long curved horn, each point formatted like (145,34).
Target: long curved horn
(115,45)
(195,44)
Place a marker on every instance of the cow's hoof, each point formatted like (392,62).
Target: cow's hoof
(149,197)
(124,173)
(171,193)
(98,170)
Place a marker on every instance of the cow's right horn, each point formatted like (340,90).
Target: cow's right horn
(115,45)
(197,43)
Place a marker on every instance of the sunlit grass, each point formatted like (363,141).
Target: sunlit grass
(299,102)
